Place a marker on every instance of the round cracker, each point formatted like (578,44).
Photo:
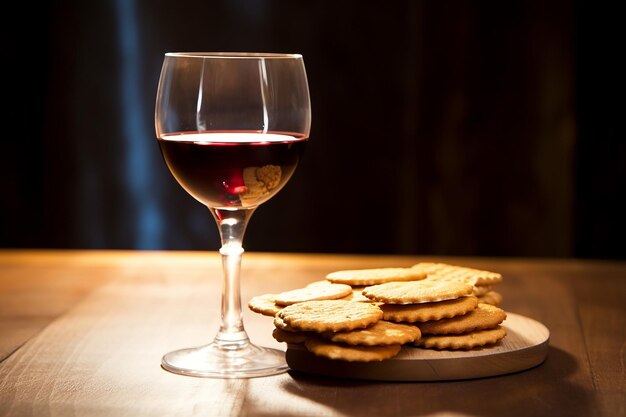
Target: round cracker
(485,316)
(313,292)
(423,291)
(380,333)
(437,310)
(336,351)
(480,290)
(330,315)
(375,276)
(492,297)
(467,341)
(264,304)
(459,273)
(280,324)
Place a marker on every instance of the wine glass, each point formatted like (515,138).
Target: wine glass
(231,128)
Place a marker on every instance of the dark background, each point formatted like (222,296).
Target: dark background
(450,128)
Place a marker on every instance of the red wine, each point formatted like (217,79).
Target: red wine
(232,169)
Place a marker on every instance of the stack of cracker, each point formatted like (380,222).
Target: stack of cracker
(449,306)
(367,315)
(484,282)
(333,319)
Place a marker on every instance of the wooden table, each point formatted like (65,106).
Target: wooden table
(82,334)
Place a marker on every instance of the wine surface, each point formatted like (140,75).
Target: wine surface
(232,169)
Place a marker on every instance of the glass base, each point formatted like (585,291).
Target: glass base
(212,361)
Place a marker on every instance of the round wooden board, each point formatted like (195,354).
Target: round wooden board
(525,346)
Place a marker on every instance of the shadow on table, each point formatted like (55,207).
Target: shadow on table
(540,391)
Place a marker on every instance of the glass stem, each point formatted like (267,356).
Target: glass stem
(232,226)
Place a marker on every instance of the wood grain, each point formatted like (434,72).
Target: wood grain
(36,287)
(112,315)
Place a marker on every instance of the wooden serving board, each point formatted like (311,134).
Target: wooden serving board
(525,346)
